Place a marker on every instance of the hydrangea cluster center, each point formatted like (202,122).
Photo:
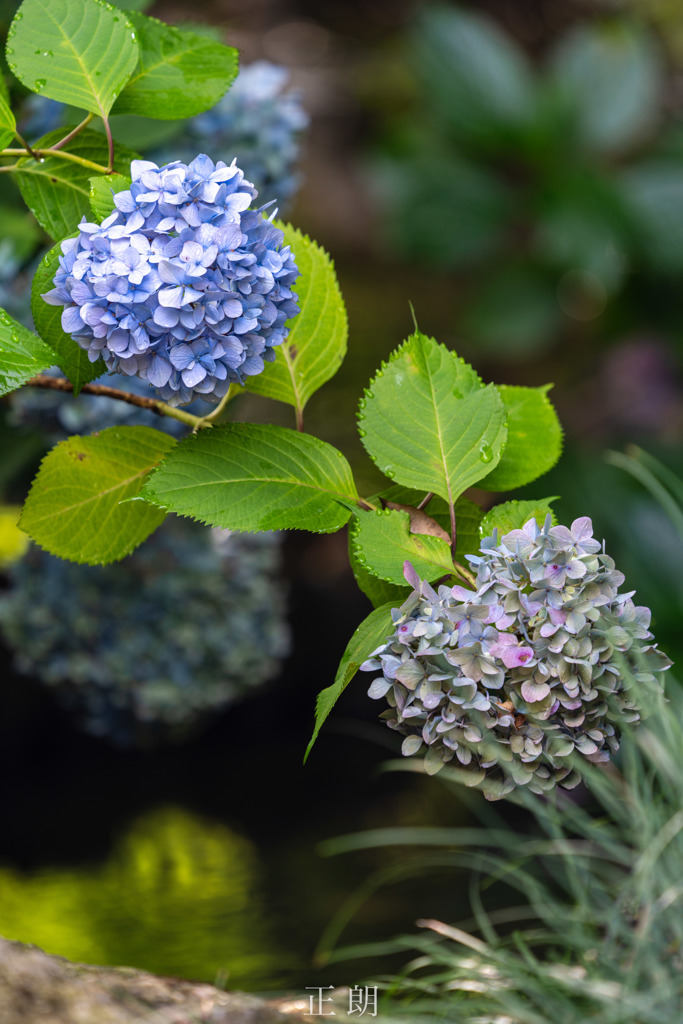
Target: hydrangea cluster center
(183,284)
(511,680)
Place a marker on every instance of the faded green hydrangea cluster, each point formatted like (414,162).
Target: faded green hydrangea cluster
(509,681)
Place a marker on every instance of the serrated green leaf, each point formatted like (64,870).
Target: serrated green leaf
(316,344)
(77,507)
(512,515)
(7,122)
(102,190)
(22,354)
(133,5)
(382,541)
(253,476)
(534,439)
(377,591)
(179,73)
(468,516)
(80,52)
(427,421)
(369,635)
(68,354)
(58,190)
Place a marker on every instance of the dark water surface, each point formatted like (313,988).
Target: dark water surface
(201,860)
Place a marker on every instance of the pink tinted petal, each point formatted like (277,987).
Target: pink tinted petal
(411,576)
(532,691)
(513,657)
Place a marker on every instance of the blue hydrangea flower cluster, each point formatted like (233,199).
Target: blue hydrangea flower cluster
(260,121)
(183,284)
(510,681)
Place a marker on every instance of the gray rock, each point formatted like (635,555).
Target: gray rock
(36,988)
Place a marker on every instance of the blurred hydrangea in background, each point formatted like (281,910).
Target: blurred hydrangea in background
(260,122)
(148,649)
(508,682)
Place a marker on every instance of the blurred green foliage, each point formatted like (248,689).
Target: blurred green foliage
(178,895)
(545,190)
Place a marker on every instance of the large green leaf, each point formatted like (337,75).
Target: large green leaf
(179,73)
(81,52)
(102,190)
(512,515)
(68,354)
(253,476)
(428,423)
(611,78)
(376,590)
(383,542)
(316,344)
(7,121)
(58,190)
(77,506)
(534,441)
(22,354)
(369,635)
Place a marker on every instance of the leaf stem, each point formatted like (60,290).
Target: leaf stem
(9,167)
(43,380)
(454,529)
(110,144)
(367,505)
(425,501)
(40,154)
(466,574)
(73,133)
(299,419)
(25,144)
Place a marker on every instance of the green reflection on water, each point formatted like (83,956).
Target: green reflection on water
(178,895)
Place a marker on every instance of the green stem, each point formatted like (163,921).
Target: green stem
(207,421)
(73,133)
(299,419)
(25,144)
(9,167)
(454,529)
(40,154)
(42,380)
(465,574)
(110,144)
(366,505)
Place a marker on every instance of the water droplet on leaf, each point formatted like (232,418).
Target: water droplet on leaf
(485,452)
(39,84)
